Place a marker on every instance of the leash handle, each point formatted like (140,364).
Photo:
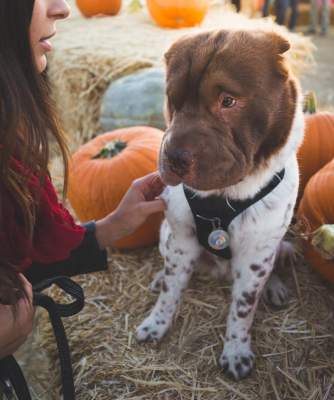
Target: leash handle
(12,381)
(69,287)
(10,372)
(56,311)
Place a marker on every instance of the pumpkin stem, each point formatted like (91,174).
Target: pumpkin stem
(111,149)
(310,103)
(135,6)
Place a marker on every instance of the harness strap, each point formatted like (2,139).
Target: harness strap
(207,210)
(10,372)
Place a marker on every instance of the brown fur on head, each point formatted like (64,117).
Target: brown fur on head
(230,106)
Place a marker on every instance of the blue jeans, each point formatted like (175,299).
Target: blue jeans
(325,9)
(281,8)
(265,8)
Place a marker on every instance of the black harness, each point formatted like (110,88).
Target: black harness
(214,214)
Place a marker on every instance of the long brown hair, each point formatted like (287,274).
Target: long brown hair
(27,116)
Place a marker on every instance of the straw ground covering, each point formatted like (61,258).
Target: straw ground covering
(294,346)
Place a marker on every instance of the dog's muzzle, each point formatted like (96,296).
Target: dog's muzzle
(179,161)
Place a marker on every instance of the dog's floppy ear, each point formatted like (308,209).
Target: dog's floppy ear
(280,45)
(177,61)
(186,61)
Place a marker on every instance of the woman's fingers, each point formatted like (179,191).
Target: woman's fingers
(12,347)
(15,344)
(151,207)
(150,185)
(24,309)
(15,325)
(27,287)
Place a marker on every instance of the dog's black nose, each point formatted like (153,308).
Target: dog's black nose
(180,161)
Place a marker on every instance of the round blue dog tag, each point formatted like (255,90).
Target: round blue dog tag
(218,239)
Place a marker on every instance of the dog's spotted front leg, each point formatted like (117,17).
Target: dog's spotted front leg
(180,260)
(237,358)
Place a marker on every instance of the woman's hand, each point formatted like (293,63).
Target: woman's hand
(16,326)
(140,201)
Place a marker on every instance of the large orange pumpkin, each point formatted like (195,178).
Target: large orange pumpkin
(177,13)
(97,184)
(317,148)
(89,8)
(315,209)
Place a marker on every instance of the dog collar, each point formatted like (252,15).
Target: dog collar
(214,214)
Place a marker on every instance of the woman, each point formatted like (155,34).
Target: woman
(281,7)
(325,6)
(38,237)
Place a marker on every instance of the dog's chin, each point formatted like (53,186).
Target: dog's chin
(169,178)
(205,185)
(202,186)
(197,182)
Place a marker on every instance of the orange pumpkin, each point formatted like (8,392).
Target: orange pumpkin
(315,209)
(258,5)
(89,8)
(317,148)
(102,170)
(177,13)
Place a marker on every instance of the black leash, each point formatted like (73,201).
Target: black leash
(12,380)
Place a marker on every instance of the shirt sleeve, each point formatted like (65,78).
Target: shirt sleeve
(86,258)
(55,232)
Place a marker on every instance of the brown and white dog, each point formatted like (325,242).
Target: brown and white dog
(235,122)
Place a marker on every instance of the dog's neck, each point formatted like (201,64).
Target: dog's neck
(213,216)
(253,183)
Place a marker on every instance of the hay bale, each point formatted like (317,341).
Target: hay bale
(89,53)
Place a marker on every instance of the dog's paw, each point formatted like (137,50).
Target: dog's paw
(237,363)
(275,292)
(151,329)
(155,285)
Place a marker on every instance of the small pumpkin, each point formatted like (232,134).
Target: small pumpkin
(89,8)
(316,209)
(177,13)
(102,170)
(317,148)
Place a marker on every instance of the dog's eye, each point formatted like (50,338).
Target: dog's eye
(228,101)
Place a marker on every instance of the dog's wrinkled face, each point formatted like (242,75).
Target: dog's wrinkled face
(230,106)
